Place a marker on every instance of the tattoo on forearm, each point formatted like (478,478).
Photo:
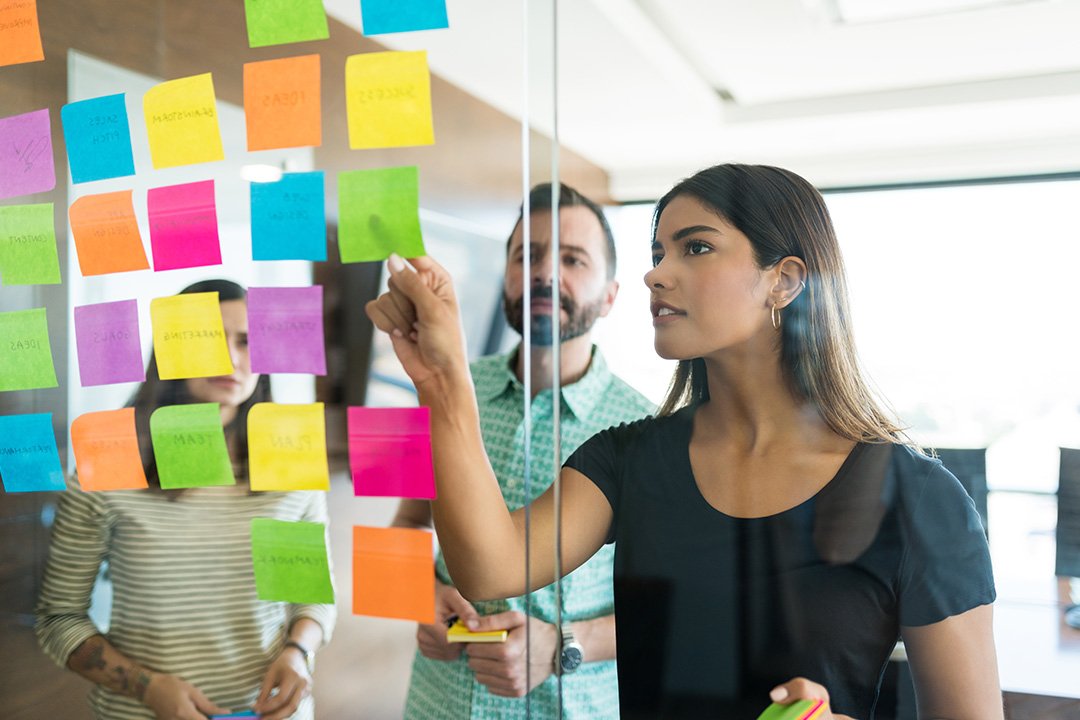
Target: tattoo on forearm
(142,681)
(90,655)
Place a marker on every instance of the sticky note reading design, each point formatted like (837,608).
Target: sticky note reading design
(182,123)
(98,138)
(390,452)
(189,336)
(379,214)
(393,573)
(29,460)
(106,449)
(28,245)
(285,330)
(287,447)
(189,446)
(26,156)
(288,218)
(388,100)
(290,561)
(107,342)
(276,22)
(183,226)
(25,356)
(390,16)
(282,103)
(106,233)
(20,35)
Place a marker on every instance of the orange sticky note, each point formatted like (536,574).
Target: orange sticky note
(20,36)
(282,103)
(107,451)
(393,573)
(106,233)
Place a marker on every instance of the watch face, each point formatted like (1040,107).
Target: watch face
(571,658)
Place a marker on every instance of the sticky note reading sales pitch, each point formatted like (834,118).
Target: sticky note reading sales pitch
(107,342)
(106,449)
(388,100)
(26,155)
(98,138)
(20,35)
(390,452)
(379,214)
(282,103)
(285,330)
(107,238)
(288,218)
(276,22)
(287,447)
(290,561)
(393,573)
(390,16)
(182,123)
(183,226)
(29,460)
(189,446)
(189,336)
(25,356)
(28,245)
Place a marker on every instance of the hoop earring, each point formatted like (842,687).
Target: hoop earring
(776,319)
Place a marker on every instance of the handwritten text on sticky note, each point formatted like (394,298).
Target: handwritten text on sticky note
(106,449)
(285,330)
(390,452)
(25,356)
(288,218)
(107,342)
(107,238)
(183,226)
(182,122)
(388,100)
(20,35)
(189,446)
(26,154)
(287,447)
(29,460)
(98,138)
(282,103)
(290,561)
(379,214)
(189,336)
(28,254)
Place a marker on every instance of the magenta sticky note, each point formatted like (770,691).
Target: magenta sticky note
(107,342)
(285,330)
(26,155)
(183,226)
(390,452)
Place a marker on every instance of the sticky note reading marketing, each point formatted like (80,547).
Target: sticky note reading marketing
(379,214)
(182,123)
(189,446)
(390,16)
(285,330)
(276,22)
(288,218)
(393,573)
(98,138)
(25,356)
(28,245)
(390,452)
(388,99)
(26,155)
(290,561)
(183,226)
(287,447)
(29,460)
(282,103)
(20,35)
(189,336)
(106,449)
(106,233)
(107,342)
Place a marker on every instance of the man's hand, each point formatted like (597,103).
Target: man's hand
(432,638)
(289,674)
(501,667)
(803,689)
(173,698)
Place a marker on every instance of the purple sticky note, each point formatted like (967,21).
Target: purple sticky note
(390,452)
(107,341)
(285,330)
(26,156)
(183,226)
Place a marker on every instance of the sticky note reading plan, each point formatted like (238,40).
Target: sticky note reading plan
(285,330)
(26,155)
(393,573)
(388,100)
(107,341)
(390,16)
(189,446)
(287,447)
(288,218)
(189,336)
(276,22)
(183,226)
(106,449)
(282,103)
(182,123)
(379,214)
(28,245)
(390,452)
(29,460)
(98,138)
(290,561)
(107,238)
(20,35)
(25,356)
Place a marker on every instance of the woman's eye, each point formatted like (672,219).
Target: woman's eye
(693,247)
(656,260)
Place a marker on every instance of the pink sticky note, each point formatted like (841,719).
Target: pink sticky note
(183,226)
(26,156)
(107,341)
(390,452)
(285,330)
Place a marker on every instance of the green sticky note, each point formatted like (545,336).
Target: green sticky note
(275,22)
(28,245)
(189,446)
(379,214)
(25,356)
(290,561)
(798,710)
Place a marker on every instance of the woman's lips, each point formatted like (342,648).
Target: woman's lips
(226,382)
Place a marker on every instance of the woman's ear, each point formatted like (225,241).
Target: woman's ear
(790,281)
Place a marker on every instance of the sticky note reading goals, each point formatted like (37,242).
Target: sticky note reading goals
(287,447)
(182,123)
(26,154)
(285,330)
(106,233)
(107,341)
(393,573)
(28,245)
(20,35)
(388,100)
(282,103)
(29,460)
(189,446)
(290,561)
(390,452)
(106,449)
(276,22)
(189,336)
(98,138)
(183,226)
(25,356)
(379,214)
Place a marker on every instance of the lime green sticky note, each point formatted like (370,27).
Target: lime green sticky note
(189,446)
(379,214)
(28,245)
(275,22)
(25,356)
(798,710)
(290,561)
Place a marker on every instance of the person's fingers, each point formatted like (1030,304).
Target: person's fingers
(284,698)
(382,319)
(500,621)
(401,304)
(458,605)
(425,263)
(417,287)
(268,684)
(499,652)
(502,686)
(798,689)
(203,704)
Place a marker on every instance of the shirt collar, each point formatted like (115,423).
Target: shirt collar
(580,397)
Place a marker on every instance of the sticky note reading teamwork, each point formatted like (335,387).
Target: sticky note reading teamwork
(20,35)
(183,226)
(106,449)
(182,123)
(379,214)
(107,341)
(390,16)
(189,336)
(26,156)
(388,100)
(29,460)
(393,573)
(290,561)
(106,234)
(288,218)
(285,330)
(189,446)
(98,138)
(276,22)
(282,103)
(25,356)
(28,245)
(390,452)
(287,447)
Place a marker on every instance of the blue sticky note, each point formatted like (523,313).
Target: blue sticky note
(29,459)
(390,16)
(98,138)
(288,218)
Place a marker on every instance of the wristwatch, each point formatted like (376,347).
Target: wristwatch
(309,657)
(570,653)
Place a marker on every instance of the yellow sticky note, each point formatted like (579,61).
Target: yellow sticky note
(189,336)
(388,100)
(287,447)
(182,123)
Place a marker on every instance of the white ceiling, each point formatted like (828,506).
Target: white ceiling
(652,90)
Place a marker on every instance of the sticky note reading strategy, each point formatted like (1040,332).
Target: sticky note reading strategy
(276,22)
(29,459)
(390,452)
(183,226)
(189,446)
(388,100)
(189,336)
(282,103)
(25,356)
(379,214)
(98,138)
(393,573)
(20,36)
(285,330)
(390,16)
(288,218)
(106,233)
(28,245)
(290,561)
(182,123)
(107,341)
(287,447)
(106,449)
(26,156)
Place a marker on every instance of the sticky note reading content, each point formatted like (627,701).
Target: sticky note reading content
(106,449)
(106,234)
(379,214)
(282,103)
(189,336)
(290,561)
(288,218)
(26,156)
(107,341)
(393,573)
(183,226)
(390,16)
(182,123)
(189,446)
(20,35)
(98,138)
(285,330)
(28,245)
(25,356)
(388,100)
(29,460)
(390,452)
(287,447)
(276,22)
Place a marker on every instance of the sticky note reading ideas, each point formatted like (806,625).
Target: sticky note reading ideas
(182,123)
(25,356)
(189,336)
(393,573)
(290,561)
(390,452)
(379,214)
(285,330)
(106,234)
(275,22)
(388,100)
(106,451)
(183,226)
(29,459)
(189,446)
(28,245)
(107,341)
(26,156)
(98,139)
(282,103)
(287,447)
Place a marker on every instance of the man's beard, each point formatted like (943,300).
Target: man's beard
(581,318)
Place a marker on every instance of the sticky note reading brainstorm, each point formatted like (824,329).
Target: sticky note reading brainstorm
(183,226)
(287,447)
(276,22)
(282,103)
(107,341)
(98,138)
(290,561)
(20,35)
(25,356)
(189,446)
(189,336)
(288,218)
(182,123)
(29,460)
(390,16)
(285,330)
(390,452)
(26,156)
(28,245)
(106,451)
(106,234)
(393,573)
(379,214)
(388,99)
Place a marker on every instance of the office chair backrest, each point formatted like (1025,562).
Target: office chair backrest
(1068,521)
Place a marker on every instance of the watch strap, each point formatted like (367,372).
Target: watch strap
(309,657)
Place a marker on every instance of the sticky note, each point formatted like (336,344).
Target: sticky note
(390,452)
(189,446)
(98,138)
(28,245)
(182,122)
(29,460)
(26,155)
(798,710)
(379,214)
(25,356)
(388,99)
(285,330)
(287,447)
(288,218)
(189,336)
(459,633)
(276,22)
(106,449)
(183,226)
(390,16)
(107,343)
(393,573)
(290,561)
(282,103)
(107,238)
(20,35)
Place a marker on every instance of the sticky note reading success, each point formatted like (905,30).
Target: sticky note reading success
(287,447)
(288,218)
(106,233)
(25,356)
(183,226)
(107,342)
(20,35)
(189,336)
(182,123)
(28,245)
(106,449)
(390,452)
(98,138)
(29,460)
(26,155)
(388,100)
(290,561)
(189,446)
(390,16)
(379,214)
(276,22)
(285,330)
(282,103)
(393,573)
